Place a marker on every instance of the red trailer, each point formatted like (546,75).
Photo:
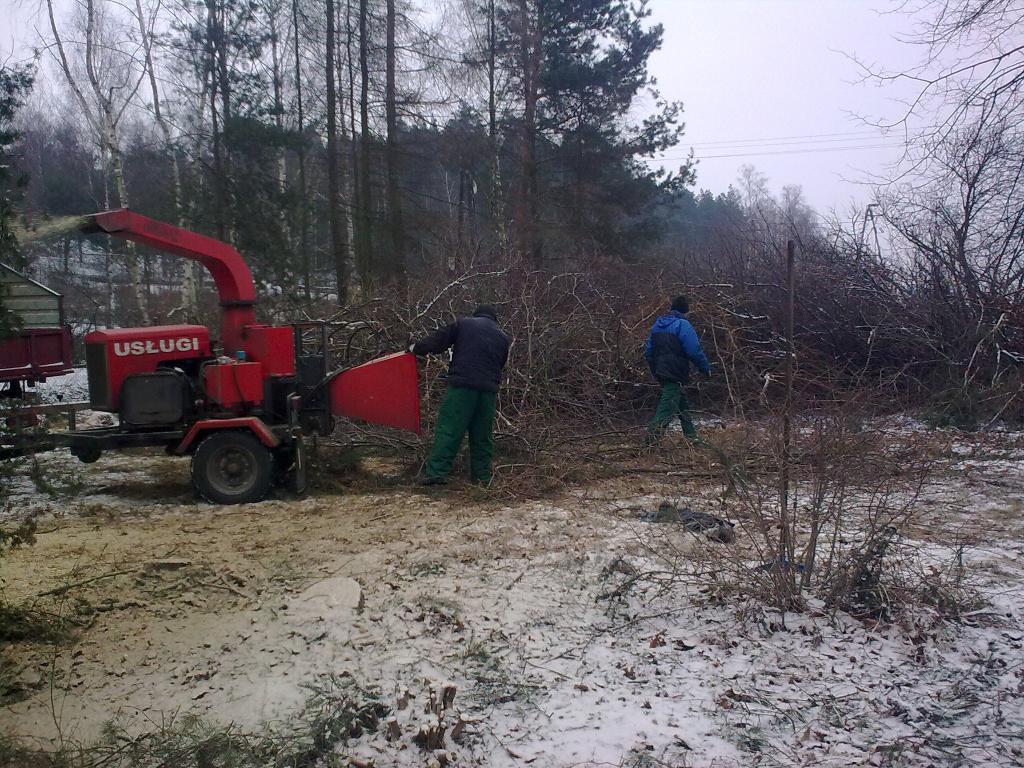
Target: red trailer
(40,346)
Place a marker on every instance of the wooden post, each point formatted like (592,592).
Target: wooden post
(785,538)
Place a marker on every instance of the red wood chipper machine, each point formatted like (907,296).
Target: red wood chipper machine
(241,411)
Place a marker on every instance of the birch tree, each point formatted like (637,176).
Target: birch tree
(146,21)
(112,77)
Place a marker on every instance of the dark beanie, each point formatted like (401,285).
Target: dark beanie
(487,310)
(680,304)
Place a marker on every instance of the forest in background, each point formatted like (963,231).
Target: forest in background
(387,164)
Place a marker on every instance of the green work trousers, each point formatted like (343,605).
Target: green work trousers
(673,403)
(464,410)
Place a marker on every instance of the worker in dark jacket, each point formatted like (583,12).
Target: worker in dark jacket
(671,346)
(474,375)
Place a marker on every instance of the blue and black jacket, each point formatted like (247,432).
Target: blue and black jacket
(671,346)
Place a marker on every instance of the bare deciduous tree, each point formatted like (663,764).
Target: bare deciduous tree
(113,77)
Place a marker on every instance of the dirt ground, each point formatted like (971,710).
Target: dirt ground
(237,614)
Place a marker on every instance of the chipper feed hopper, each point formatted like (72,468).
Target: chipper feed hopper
(240,410)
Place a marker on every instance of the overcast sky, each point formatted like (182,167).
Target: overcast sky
(753,74)
(762,81)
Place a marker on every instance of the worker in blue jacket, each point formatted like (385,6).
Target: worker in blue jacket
(671,346)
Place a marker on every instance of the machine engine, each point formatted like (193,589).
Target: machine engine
(156,400)
(112,357)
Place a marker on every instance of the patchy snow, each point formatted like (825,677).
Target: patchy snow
(69,388)
(560,657)
(832,692)
(55,484)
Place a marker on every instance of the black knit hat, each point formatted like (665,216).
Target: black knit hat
(487,310)
(680,304)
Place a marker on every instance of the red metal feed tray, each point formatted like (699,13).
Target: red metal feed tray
(382,391)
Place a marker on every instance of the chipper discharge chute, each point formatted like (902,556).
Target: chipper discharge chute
(240,410)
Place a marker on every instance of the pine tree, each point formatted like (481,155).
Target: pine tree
(577,67)
(15,83)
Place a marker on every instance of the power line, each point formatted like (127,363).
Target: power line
(808,150)
(798,151)
(792,143)
(773,139)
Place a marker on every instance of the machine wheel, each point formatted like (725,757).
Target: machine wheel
(87,454)
(232,468)
(292,466)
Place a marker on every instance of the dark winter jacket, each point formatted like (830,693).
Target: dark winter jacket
(671,346)
(481,351)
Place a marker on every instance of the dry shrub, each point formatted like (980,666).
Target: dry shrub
(576,382)
(854,490)
(854,497)
(576,389)
(907,584)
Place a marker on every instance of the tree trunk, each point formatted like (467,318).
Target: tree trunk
(338,244)
(108,272)
(364,229)
(397,260)
(492,50)
(189,297)
(217,55)
(786,537)
(346,161)
(210,71)
(354,196)
(461,216)
(303,205)
(103,121)
(530,240)
(497,196)
(131,254)
(278,84)
(109,137)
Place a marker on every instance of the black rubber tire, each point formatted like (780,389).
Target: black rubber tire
(232,468)
(87,455)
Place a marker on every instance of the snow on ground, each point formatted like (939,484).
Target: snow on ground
(527,608)
(69,388)
(55,484)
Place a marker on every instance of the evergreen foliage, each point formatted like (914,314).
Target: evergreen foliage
(15,83)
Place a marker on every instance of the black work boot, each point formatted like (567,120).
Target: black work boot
(428,480)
